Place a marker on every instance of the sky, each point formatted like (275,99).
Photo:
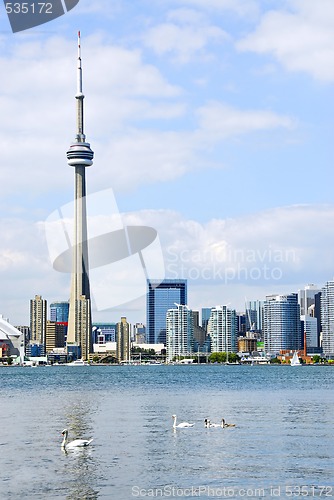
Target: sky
(211,121)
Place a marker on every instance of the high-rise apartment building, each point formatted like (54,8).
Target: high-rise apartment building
(281,323)
(161,296)
(55,336)
(327,318)
(310,315)
(206,313)
(306,298)
(38,315)
(223,329)
(180,332)
(139,333)
(123,340)
(254,314)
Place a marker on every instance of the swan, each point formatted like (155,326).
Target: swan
(77,443)
(210,425)
(181,425)
(225,424)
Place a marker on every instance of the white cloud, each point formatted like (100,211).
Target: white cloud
(123,96)
(183,42)
(220,120)
(224,260)
(275,251)
(240,7)
(300,39)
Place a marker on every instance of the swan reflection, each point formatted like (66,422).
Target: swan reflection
(80,469)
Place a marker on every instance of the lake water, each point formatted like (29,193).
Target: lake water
(282,445)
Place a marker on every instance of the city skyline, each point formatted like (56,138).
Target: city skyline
(249,306)
(221,142)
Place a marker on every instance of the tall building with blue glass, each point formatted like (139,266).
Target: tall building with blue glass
(59,312)
(161,296)
(281,323)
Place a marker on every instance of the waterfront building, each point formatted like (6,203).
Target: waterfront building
(200,335)
(55,335)
(180,332)
(327,318)
(310,315)
(123,340)
(59,311)
(104,332)
(281,323)
(306,298)
(59,314)
(223,329)
(254,315)
(38,314)
(247,344)
(161,296)
(206,312)
(26,334)
(80,156)
(309,329)
(139,333)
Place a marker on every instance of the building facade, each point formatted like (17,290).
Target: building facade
(306,298)
(180,332)
(38,315)
(327,319)
(162,296)
(55,336)
(281,323)
(123,352)
(223,329)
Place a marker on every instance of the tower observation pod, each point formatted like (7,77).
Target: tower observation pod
(80,156)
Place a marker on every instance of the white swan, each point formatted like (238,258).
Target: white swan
(181,425)
(77,443)
(225,424)
(208,424)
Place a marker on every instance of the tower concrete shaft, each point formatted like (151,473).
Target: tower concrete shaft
(80,156)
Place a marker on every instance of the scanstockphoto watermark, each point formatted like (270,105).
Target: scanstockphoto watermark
(229,265)
(170,491)
(271,491)
(25,15)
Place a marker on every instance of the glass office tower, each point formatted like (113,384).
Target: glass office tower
(281,323)
(161,296)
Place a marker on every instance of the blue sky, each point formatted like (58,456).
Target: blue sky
(211,121)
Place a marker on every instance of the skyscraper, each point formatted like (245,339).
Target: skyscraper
(180,331)
(161,296)
(123,340)
(59,312)
(306,298)
(80,156)
(223,329)
(281,323)
(327,318)
(38,314)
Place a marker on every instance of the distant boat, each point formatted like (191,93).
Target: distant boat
(78,362)
(295,360)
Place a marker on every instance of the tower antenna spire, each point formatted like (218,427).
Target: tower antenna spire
(80,97)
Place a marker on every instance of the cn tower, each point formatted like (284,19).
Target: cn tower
(80,156)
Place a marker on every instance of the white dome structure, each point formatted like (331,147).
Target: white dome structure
(13,338)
